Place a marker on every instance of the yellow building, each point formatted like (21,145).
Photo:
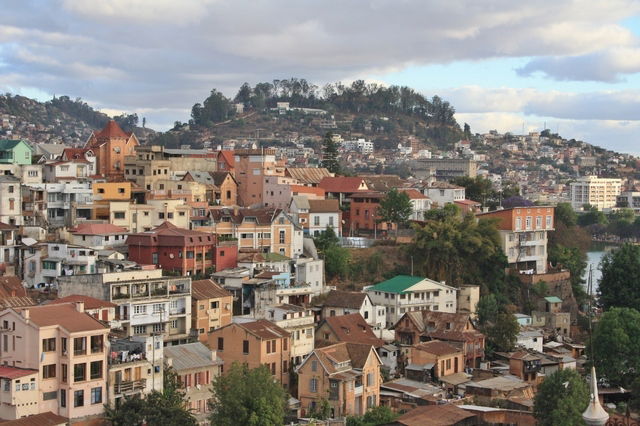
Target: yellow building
(144,217)
(104,193)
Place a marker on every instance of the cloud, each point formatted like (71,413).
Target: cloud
(604,65)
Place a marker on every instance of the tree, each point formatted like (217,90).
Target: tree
(561,399)
(322,411)
(246,396)
(380,415)
(336,262)
(592,216)
(244,95)
(395,207)
(564,213)
(326,239)
(478,189)
(467,131)
(164,408)
(620,282)
(487,309)
(616,346)
(502,334)
(330,154)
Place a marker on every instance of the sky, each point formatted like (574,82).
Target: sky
(570,65)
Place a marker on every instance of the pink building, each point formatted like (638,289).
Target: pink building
(67,347)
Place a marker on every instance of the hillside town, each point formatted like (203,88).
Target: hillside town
(124,263)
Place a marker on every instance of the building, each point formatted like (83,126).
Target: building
(68,347)
(104,193)
(420,203)
(324,214)
(11,205)
(307,176)
(135,367)
(432,415)
(630,200)
(340,302)
(341,187)
(226,188)
(99,309)
(300,323)
(445,169)
(598,192)
(523,235)
(404,293)
(552,317)
(211,307)
(467,300)
(8,247)
(345,374)
(148,303)
(15,151)
(525,366)
(196,367)
(175,249)
(455,329)
(351,328)
(98,236)
(111,145)
(251,166)
(363,214)
(433,360)
(441,193)
(58,260)
(20,392)
(66,202)
(255,343)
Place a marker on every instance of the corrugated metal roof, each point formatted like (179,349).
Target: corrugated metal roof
(189,356)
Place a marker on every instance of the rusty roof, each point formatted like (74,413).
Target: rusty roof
(8,372)
(352,328)
(437,347)
(207,289)
(64,315)
(97,229)
(264,329)
(89,302)
(344,184)
(307,175)
(324,206)
(42,419)
(435,415)
(345,299)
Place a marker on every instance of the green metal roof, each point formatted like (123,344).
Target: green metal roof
(397,284)
(6,144)
(553,299)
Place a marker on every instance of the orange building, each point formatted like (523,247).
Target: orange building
(363,213)
(111,145)
(254,343)
(445,358)
(104,193)
(347,374)
(251,165)
(211,307)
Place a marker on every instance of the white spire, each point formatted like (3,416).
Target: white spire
(594,415)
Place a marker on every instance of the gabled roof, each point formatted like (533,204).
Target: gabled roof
(89,302)
(352,328)
(341,184)
(98,229)
(301,201)
(111,130)
(324,206)
(307,175)
(436,347)
(414,194)
(443,325)
(42,419)
(383,183)
(553,299)
(263,216)
(168,234)
(435,415)
(356,353)
(190,356)
(345,299)
(201,177)
(75,153)
(207,289)
(6,144)
(397,284)
(64,315)
(228,157)
(219,177)
(11,286)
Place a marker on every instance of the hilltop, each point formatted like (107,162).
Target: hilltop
(293,110)
(61,120)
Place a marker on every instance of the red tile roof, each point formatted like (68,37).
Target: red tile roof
(264,329)
(352,328)
(167,234)
(89,302)
(436,415)
(467,202)
(7,372)
(324,206)
(42,419)
(438,348)
(414,194)
(74,153)
(64,315)
(341,184)
(97,229)
(111,130)
(228,157)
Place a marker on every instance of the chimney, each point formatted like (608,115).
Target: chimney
(25,313)
(80,306)
(235,210)
(214,355)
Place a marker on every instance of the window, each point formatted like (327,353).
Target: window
(313,385)
(157,308)
(246,235)
(96,370)
(170,215)
(285,344)
(79,372)
(96,395)
(80,346)
(548,221)
(369,379)
(65,373)
(316,220)
(538,222)
(118,215)
(245,346)
(100,190)
(63,345)
(63,398)
(49,345)
(158,328)
(139,329)
(220,343)
(78,398)
(139,309)
(10,189)
(97,344)
(518,223)
(314,365)
(215,305)
(282,235)
(47,396)
(49,371)
(120,190)
(161,215)
(528,222)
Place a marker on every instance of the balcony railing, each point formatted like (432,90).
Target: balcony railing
(129,386)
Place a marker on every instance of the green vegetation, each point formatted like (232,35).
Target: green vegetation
(620,282)
(396,208)
(244,396)
(460,249)
(561,399)
(380,415)
(164,408)
(500,326)
(214,109)
(480,189)
(330,154)
(616,346)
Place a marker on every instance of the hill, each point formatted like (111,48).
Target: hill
(289,110)
(59,120)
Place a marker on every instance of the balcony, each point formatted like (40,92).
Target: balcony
(130,386)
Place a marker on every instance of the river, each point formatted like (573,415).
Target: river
(594,256)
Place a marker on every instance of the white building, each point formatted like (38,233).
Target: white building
(310,271)
(323,214)
(56,260)
(298,321)
(98,236)
(405,293)
(340,303)
(66,202)
(599,192)
(420,203)
(360,145)
(443,193)
(530,339)
(10,200)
